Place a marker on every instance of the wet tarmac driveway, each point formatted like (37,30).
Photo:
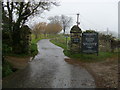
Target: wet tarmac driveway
(49,70)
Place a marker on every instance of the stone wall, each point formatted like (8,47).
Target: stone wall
(25,39)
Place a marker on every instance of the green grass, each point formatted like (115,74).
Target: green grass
(33,49)
(33,46)
(90,57)
(59,44)
(34,41)
(61,41)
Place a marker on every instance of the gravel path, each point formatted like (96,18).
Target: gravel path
(49,70)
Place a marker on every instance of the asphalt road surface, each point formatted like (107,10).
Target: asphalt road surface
(49,70)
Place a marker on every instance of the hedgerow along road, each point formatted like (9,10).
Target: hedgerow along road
(49,70)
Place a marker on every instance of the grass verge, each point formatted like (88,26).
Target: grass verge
(61,42)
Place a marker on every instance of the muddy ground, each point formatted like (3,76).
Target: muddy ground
(18,62)
(105,72)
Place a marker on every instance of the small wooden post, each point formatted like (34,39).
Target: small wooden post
(66,41)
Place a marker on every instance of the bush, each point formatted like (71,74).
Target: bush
(6,69)
(90,31)
(33,49)
(6,49)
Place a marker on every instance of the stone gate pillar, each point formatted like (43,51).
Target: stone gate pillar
(75,35)
(25,39)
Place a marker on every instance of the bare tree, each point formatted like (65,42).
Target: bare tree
(65,21)
(22,11)
(55,19)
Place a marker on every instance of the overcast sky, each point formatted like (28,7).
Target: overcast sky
(94,14)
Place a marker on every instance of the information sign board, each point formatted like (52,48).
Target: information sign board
(90,42)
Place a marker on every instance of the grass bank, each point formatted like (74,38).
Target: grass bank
(61,41)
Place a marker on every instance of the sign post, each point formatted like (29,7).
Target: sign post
(90,42)
(66,41)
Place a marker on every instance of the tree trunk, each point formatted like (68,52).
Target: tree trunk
(64,30)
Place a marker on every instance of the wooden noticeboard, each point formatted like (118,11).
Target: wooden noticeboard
(90,42)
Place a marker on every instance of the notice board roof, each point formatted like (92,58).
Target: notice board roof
(75,29)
